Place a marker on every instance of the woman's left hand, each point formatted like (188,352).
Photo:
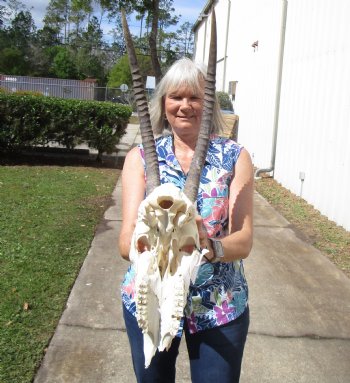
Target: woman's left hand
(204,243)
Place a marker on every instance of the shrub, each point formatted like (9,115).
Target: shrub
(224,101)
(27,93)
(30,120)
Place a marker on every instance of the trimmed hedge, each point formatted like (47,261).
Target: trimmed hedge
(224,100)
(29,121)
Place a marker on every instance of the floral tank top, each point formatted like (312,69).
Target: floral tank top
(220,292)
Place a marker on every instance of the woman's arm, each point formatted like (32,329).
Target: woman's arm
(238,243)
(133,191)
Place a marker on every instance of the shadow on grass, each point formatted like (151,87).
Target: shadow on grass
(60,157)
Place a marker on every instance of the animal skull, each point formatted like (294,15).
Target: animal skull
(166,226)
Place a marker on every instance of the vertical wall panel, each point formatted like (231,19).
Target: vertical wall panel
(314,126)
(256,73)
(200,39)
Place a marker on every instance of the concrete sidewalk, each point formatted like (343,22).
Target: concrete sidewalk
(299,302)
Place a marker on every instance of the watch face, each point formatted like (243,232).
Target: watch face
(218,250)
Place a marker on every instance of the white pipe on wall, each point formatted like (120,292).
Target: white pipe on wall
(278,92)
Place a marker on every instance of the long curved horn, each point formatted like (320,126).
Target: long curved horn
(193,180)
(151,159)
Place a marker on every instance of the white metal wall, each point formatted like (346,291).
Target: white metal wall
(203,41)
(255,69)
(314,129)
(314,124)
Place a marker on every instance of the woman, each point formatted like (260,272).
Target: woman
(216,317)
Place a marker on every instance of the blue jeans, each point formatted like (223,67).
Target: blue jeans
(215,354)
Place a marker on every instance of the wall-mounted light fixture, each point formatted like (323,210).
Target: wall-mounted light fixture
(302,179)
(255,45)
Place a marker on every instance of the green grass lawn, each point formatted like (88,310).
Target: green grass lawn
(47,221)
(332,240)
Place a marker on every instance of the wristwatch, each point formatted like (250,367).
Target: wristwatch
(217,249)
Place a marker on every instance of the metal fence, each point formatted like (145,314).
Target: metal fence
(71,89)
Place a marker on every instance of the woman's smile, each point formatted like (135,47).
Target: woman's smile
(186,117)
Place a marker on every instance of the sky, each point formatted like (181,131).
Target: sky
(188,9)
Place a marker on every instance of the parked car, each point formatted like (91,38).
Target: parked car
(226,111)
(120,100)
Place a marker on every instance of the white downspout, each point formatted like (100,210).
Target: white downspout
(278,92)
(205,39)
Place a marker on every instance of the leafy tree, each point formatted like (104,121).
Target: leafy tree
(88,65)
(9,11)
(151,8)
(166,19)
(12,61)
(93,35)
(159,16)
(3,39)
(224,100)
(168,53)
(184,42)
(80,10)
(57,17)
(15,44)
(117,48)
(156,14)
(89,52)
(63,64)
(47,37)
(44,48)
(166,14)
(2,15)
(22,30)
(42,60)
(85,51)
(120,73)
(71,45)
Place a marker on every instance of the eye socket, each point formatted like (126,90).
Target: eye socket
(143,244)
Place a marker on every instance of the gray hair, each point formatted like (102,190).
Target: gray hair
(182,72)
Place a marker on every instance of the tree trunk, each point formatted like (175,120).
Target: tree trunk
(153,41)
